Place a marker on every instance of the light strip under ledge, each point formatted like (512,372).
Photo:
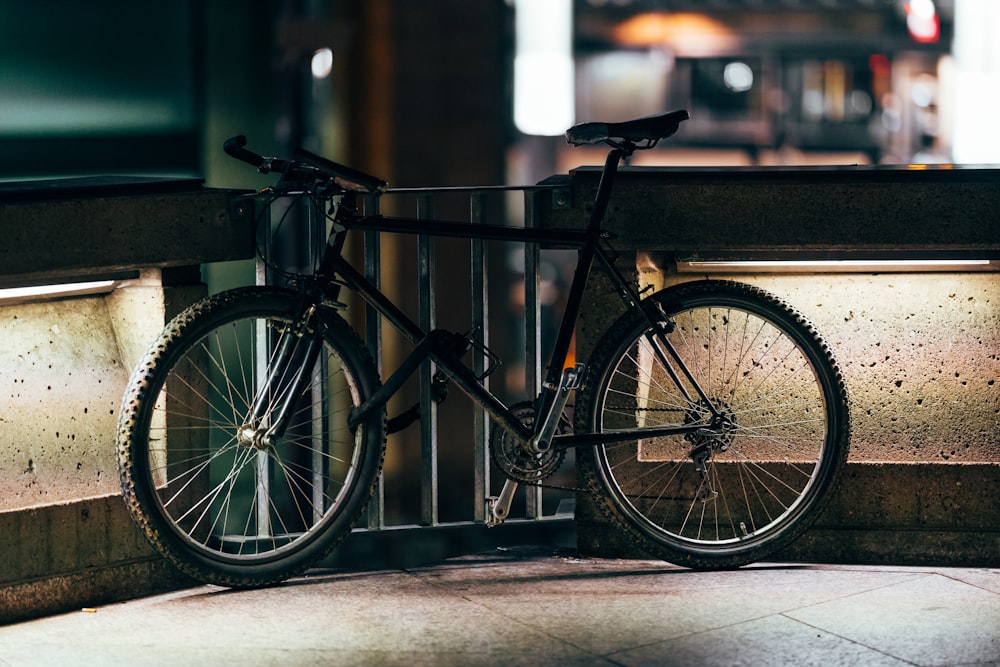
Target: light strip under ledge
(835,266)
(40,292)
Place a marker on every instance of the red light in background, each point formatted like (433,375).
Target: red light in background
(922,21)
(879,64)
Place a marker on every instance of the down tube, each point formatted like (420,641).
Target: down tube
(456,370)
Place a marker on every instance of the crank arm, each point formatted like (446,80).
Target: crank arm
(498,507)
(572,378)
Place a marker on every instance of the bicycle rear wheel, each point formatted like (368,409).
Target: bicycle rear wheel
(753,477)
(222,502)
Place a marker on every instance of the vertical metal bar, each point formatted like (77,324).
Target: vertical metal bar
(428,409)
(373,337)
(320,427)
(262,216)
(480,320)
(532,329)
(262,347)
(318,389)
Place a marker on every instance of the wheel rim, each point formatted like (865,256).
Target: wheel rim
(757,473)
(226,490)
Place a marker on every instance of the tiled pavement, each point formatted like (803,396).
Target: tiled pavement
(533,606)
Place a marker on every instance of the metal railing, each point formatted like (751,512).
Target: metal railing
(301,240)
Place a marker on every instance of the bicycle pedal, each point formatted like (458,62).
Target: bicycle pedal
(572,378)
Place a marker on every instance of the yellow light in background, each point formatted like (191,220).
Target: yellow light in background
(685,33)
(544,100)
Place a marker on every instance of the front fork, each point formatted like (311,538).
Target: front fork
(277,392)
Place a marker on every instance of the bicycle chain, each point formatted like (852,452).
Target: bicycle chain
(527,412)
(557,487)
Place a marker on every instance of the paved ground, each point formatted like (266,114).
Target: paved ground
(530,606)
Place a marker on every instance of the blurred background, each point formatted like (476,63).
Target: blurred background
(479,92)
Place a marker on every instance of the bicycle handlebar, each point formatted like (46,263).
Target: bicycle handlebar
(306,166)
(234,147)
(346,177)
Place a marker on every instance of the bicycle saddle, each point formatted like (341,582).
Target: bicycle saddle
(649,129)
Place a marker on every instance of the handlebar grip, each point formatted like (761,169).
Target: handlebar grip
(234,148)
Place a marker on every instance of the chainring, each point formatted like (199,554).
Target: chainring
(518,464)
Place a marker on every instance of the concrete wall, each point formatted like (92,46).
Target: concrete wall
(64,363)
(59,230)
(68,540)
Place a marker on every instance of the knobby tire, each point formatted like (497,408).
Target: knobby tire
(765,478)
(226,508)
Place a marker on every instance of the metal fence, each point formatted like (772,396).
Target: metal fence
(542,515)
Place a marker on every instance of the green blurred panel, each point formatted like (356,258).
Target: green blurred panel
(111,73)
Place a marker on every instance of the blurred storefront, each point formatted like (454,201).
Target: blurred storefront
(773,81)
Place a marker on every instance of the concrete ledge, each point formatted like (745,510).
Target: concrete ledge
(67,228)
(56,558)
(943,514)
(797,212)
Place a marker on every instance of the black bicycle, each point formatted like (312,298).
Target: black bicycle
(711,418)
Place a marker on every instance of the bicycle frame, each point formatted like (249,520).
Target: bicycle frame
(439,346)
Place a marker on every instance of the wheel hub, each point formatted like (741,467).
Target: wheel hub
(253,438)
(719,434)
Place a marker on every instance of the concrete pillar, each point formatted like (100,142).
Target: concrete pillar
(68,539)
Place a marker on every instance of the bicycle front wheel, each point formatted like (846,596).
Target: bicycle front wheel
(222,498)
(764,407)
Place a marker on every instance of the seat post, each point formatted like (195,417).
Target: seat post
(584,264)
(615,156)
